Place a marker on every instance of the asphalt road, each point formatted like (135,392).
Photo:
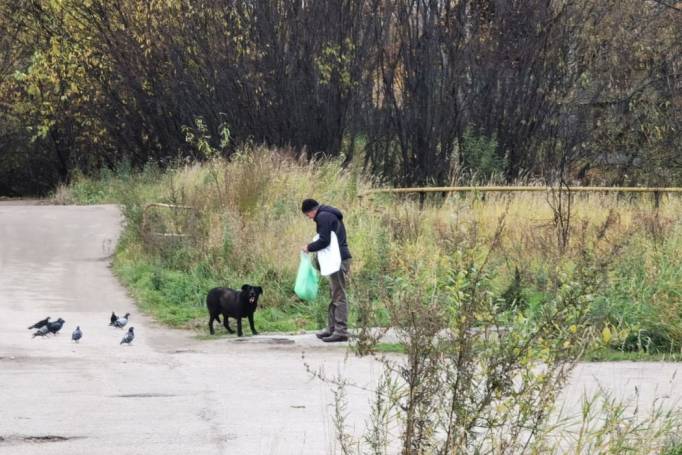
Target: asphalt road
(171,393)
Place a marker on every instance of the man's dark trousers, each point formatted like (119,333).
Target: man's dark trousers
(338,310)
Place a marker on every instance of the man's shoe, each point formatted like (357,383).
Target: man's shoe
(323,334)
(335,338)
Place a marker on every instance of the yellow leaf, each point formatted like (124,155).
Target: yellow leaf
(606,335)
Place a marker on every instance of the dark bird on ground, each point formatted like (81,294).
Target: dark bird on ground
(41,323)
(122,321)
(55,326)
(77,334)
(113,318)
(129,337)
(41,332)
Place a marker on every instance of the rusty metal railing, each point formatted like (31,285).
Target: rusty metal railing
(146,229)
(655,191)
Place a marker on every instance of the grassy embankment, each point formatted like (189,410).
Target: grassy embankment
(248,228)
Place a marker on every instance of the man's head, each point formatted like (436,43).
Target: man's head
(309,207)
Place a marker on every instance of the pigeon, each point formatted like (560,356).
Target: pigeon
(41,332)
(41,323)
(128,338)
(122,321)
(77,334)
(55,326)
(112,319)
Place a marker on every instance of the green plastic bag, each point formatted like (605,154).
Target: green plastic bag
(307,279)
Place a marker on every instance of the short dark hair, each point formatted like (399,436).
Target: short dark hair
(308,205)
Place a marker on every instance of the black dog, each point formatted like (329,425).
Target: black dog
(233,304)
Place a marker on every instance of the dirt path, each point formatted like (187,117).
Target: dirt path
(169,393)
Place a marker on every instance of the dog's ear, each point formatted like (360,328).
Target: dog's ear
(259,289)
(245,287)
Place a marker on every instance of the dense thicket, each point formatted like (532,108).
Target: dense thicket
(421,91)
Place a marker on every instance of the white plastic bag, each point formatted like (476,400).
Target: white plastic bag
(329,258)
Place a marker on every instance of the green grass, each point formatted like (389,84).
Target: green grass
(595,355)
(178,299)
(674,448)
(397,348)
(603,354)
(171,297)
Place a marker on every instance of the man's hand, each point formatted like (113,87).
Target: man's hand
(304,248)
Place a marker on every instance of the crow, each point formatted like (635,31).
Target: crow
(129,337)
(41,323)
(77,334)
(41,332)
(55,326)
(112,319)
(122,321)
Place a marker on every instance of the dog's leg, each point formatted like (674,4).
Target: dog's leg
(226,323)
(239,328)
(253,329)
(210,324)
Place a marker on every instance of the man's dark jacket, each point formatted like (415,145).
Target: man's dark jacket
(330,219)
